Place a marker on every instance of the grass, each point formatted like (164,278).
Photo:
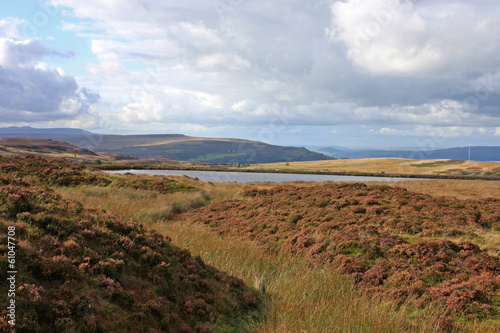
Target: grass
(150,206)
(298,297)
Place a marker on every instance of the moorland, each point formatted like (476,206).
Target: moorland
(155,253)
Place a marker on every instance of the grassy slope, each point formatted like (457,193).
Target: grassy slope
(84,270)
(391,166)
(55,149)
(294,300)
(394,243)
(51,149)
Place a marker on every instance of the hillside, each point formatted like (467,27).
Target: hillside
(84,270)
(178,147)
(49,148)
(55,149)
(432,253)
(185,148)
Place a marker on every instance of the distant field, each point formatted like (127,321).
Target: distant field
(391,166)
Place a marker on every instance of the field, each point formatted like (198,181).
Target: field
(396,257)
(390,166)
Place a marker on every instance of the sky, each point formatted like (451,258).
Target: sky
(351,73)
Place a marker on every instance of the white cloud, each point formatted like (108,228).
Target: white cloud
(106,68)
(9,27)
(497,131)
(399,37)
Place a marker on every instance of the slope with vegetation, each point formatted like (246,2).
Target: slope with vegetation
(56,149)
(430,253)
(52,149)
(408,262)
(85,270)
(297,295)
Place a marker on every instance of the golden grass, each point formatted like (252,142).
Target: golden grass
(389,166)
(460,189)
(298,297)
(149,206)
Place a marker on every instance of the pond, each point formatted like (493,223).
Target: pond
(247,177)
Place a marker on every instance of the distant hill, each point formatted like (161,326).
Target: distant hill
(175,146)
(30,132)
(55,149)
(478,153)
(50,149)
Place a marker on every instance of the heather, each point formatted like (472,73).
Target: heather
(84,270)
(56,172)
(393,243)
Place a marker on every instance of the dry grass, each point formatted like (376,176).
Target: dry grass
(149,206)
(390,166)
(298,297)
(460,189)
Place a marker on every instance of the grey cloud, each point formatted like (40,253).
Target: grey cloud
(286,59)
(31,90)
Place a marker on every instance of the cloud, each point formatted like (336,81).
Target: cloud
(400,37)
(9,27)
(32,90)
(170,64)
(433,131)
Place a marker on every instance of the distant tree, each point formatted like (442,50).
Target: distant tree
(97,162)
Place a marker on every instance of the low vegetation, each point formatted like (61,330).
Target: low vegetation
(84,270)
(296,294)
(429,252)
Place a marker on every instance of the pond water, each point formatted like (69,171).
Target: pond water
(246,177)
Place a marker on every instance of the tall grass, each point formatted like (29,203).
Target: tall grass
(299,297)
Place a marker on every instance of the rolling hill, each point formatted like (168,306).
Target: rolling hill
(173,146)
(55,149)
(52,149)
